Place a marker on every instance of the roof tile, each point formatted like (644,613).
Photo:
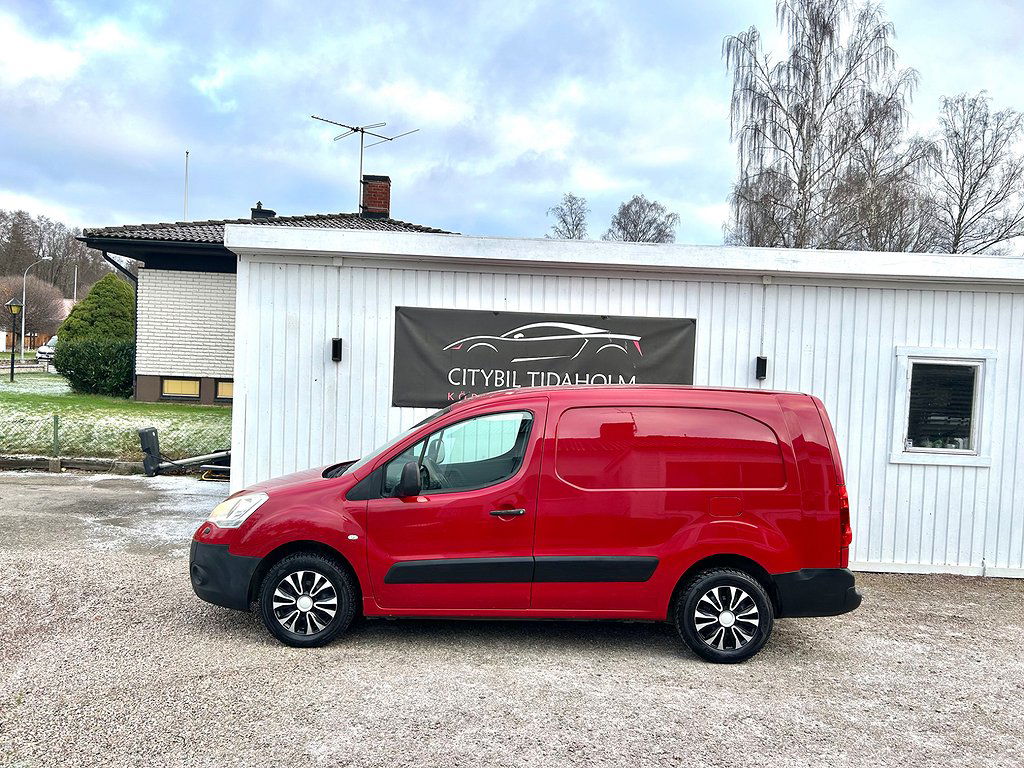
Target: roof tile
(213,231)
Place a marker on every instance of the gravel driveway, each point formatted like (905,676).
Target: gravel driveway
(107,658)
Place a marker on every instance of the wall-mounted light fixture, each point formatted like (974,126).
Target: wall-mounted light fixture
(761,368)
(336,350)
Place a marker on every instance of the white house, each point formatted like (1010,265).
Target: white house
(918,358)
(185,310)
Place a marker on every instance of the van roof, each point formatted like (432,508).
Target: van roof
(513,394)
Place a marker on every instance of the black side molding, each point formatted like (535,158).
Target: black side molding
(816,592)
(469,570)
(608,569)
(519,570)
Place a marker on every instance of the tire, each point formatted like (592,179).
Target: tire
(714,632)
(307,587)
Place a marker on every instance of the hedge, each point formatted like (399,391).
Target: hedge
(96,366)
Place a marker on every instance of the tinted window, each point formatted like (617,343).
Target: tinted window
(662,448)
(941,413)
(468,454)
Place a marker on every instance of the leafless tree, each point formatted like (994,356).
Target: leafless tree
(980,175)
(570,218)
(640,220)
(760,212)
(17,249)
(799,121)
(25,239)
(44,305)
(890,203)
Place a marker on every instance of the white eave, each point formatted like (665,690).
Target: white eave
(461,250)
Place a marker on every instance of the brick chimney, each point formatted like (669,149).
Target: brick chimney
(376,203)
(259,212)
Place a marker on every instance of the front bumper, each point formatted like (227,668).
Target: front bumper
(816,592)
(219,577)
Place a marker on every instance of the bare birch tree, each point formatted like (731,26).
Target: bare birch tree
(891,206)
(799,121)
(980,175)
(570,218)
(640,220)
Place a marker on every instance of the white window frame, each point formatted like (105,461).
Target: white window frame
(980,455)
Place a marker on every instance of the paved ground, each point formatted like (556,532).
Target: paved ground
(106,658)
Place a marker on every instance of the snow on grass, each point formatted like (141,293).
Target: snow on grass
(35,384)
(102,427)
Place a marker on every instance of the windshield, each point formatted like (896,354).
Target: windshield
(394,441)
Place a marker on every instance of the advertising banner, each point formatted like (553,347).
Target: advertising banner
(445,355)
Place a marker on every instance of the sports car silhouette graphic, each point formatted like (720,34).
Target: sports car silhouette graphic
(551,341)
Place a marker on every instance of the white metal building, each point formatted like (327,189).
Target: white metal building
(918,358)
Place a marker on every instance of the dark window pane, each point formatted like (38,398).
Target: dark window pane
(941,406)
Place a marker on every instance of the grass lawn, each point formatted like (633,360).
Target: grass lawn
(103,427)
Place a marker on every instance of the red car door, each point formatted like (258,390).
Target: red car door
(466,542)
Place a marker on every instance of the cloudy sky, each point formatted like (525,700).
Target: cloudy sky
(516,102)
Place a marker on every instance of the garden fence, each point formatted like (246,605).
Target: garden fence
(77,436)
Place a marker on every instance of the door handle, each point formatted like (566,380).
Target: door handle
(507,512)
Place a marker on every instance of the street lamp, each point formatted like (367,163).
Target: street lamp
(14,307)
(24,287)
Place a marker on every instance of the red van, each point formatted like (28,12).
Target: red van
(717,510)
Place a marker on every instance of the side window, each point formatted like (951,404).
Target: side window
(659,448)
(468,454)
(941,416)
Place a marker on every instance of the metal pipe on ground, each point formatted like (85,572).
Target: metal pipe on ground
(153,462)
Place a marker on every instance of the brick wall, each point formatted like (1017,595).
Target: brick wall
(376,195)
(186,323)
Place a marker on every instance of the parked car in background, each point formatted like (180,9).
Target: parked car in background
(719,511)
(44,352)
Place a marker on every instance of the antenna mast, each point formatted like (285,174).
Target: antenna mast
(363,131)
(185,207)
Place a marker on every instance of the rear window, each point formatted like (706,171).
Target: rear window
(666,448)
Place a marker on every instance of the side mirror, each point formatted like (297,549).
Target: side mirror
(409,483)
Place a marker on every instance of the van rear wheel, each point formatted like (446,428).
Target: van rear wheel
(307,600)
(724,615)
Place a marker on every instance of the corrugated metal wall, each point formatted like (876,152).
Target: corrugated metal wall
(295,408)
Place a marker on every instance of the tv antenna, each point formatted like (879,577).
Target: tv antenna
(363,131)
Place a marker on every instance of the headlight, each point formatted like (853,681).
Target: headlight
(231,513)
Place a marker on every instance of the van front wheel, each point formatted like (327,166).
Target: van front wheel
(307,600)
(724,615)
